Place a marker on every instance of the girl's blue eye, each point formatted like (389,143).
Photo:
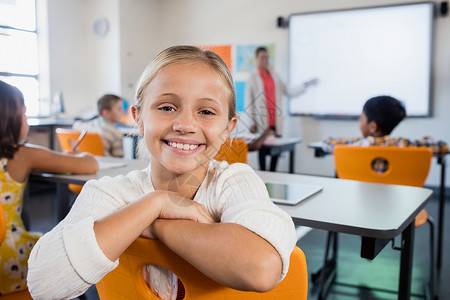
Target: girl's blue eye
(206,112)
(167,108)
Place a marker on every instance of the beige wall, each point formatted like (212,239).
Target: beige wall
(84,66)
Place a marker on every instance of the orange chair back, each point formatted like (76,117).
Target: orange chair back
(233,151)
(2,224)
(127,282)
(91,143)
(405,166)
(22,295)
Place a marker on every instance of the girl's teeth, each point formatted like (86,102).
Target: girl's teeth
(182,146)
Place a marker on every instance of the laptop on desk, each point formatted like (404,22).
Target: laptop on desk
(292,193)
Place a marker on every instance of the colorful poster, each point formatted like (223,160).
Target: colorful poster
(240,95)
(245,57)
(223,51)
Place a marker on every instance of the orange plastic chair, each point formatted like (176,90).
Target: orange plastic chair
(22,295)
(233,151)
(127,281)
(91,143)
(402,166)
(18,295)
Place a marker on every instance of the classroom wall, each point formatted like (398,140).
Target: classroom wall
(84,66)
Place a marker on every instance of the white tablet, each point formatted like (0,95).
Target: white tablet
(292,193)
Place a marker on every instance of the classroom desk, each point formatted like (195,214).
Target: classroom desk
(51,124)
(376,212)
(318,152)
(274,147)
(62,200)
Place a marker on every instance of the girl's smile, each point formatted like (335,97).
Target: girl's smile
(183,147)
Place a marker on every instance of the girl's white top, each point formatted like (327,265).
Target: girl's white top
(66,261)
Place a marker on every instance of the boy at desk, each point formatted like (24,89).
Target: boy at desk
(110,111)
(380,115)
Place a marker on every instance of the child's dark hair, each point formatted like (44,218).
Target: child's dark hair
(385,111)
(107,102)
(260,49)
(11,103)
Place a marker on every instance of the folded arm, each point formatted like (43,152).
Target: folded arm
(226,252)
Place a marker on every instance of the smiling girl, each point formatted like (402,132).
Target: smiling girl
(216,216)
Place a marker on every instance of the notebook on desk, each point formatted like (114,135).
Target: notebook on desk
(110,164)
(292,193)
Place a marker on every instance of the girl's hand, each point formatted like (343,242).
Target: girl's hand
(175,206)
(72,152)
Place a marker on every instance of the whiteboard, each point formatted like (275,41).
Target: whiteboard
(361,53)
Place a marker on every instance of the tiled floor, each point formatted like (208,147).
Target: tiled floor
(381,273)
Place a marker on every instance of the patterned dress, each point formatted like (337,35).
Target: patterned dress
(18,242)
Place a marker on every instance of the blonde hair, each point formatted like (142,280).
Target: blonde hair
(187,54)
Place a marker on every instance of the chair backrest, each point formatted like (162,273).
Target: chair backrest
(127,282)
(233,151)
(2,224)
(91,143)
(403,166)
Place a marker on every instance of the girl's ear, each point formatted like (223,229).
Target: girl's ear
(231,125)
(137,119)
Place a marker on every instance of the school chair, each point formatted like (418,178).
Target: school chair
(127,281)
(91,143)
(22,295)
(390,165)
(18,295)
(233,151)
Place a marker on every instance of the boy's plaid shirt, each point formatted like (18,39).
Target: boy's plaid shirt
(439,148)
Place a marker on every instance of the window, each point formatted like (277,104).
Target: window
(19,50)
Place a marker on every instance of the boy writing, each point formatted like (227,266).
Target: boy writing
(110,110)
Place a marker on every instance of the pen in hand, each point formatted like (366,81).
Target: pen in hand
(80,138)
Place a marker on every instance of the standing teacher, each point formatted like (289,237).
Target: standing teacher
(264,95)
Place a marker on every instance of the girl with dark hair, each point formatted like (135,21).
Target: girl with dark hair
(17,160)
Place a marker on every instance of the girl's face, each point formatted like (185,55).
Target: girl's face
(184,118)
(24,127)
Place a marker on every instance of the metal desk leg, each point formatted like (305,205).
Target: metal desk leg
(442,162)
(291,161)
(262,160)
(326,275)
(52,137)
(273,162)
(406,260)
(62,205)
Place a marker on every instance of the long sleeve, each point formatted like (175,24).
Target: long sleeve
(237,195)
(66,261)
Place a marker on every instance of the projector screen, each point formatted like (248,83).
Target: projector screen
(361,53)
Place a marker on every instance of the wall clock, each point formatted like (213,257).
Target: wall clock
(100,27)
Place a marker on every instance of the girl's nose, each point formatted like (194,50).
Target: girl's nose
(185,123)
